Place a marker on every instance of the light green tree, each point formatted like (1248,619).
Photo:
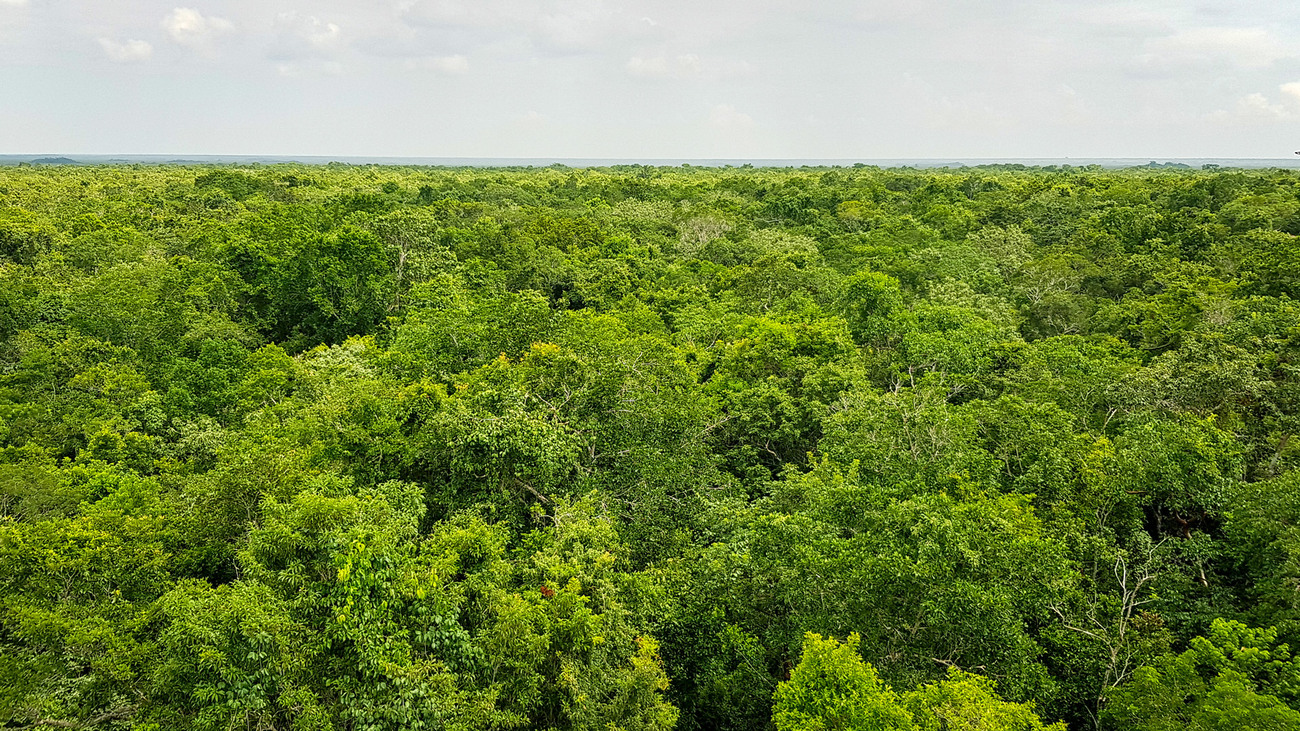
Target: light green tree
(1234,678)
(832,689)
(967,702)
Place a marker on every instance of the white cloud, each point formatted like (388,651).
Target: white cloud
(563,27)
(1072,108)
(131,50)
(14,3)
(532,120)
(574,26)
(441,64)
(189,27)
(305,36)
(1258,108)
(309,67)
(660,67)
(685,66)
(1242,47)
(726,117)
(315,32)
(941,106)
(965,112)
(457,13)
(883,13)
(1125,21)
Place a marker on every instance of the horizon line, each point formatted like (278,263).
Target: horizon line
(54,159)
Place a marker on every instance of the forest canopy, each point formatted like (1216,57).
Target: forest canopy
(645,448)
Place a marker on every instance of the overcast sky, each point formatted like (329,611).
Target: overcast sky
(652,79)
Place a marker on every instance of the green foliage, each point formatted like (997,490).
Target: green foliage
(869,300)
(614,448)
(831,689)
(24,236)
(1234,678)
(966,702)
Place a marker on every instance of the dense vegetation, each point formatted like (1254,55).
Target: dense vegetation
(647,448)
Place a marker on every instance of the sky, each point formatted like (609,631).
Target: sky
(644,79)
